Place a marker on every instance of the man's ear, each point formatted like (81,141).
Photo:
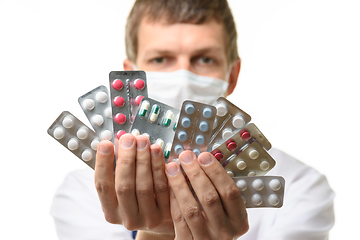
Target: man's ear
(234,74)
(128,65)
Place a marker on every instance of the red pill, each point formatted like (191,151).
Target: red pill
(245,136)
(218,155)
(139,84)
(119,101)
(117,84)
(231,146)
(120,118)
(138,100)
(120,133)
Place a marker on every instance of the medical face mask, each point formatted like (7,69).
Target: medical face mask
(172,88)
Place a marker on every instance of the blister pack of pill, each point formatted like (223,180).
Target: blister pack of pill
(193,130)
(263,191)
(127,89)
(157,121)
(229,119)
(97,108)
(76,137)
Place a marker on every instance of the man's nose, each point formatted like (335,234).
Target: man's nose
(184,63)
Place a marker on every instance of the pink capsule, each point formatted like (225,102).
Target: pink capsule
(117,84)
(139,84)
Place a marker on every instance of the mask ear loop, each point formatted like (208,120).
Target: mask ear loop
(134,66)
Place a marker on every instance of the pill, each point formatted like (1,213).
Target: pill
(204,126)
(182,136)
(117,84)
(139,84)
(256,199)
(154,113)
(82,133)
(167,150)
(231,146)
(175,126)
(160,142)
(135,132)
(230,173)
(258,184)
(251,174)
(253,154)
(88,104)
(146,135)
(226,133)
(108,112)
(168,117)
(215,146)
(144,108)
(178,149)
(241,184)
(273,199)
(86,155)
(186,122)
(73,144)
(197,152)
(189,108)
(101,97)
(221,109)
(138,100)
(245,136)
(120,118)
(218,155)
(238,122)
(207,112)
(264,165)
(94,144)
(97,120)
(200,140)
(275,185)
(120,133)
(59,133)
(106,135)
(68,122)
(119,101)
(241,165)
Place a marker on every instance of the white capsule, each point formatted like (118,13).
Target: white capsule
(101,97)
(241,165)
(241,184)
(253,154)
(264,165)
(256,199)
(59,133)
(94,144)
(159,142)
(68,122)
(88,104)
(135,132)
(82,133)
(273,199)
(275,185)
(73,144)
(258,184)
(146,135)
(97,120)
(106,135)
(87,155)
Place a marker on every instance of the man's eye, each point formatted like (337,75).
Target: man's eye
(206,60)
(159,60)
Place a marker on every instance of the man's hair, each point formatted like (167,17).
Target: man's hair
(181,11)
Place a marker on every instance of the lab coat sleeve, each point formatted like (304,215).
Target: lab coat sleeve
(77,212)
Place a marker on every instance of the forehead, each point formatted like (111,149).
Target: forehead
(180,37)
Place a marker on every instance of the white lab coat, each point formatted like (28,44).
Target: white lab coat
(307,212)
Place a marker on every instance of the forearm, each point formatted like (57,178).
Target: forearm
(145,235)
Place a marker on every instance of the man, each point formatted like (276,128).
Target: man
(188,48)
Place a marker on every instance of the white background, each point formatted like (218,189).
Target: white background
(299,81)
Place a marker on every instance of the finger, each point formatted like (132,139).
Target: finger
(144,179)
(182,230)
(229,193)
(189,208)
(125,177)
(204,189)
(104,180)
(161,187)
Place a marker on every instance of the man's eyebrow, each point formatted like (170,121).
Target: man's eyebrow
(196,51)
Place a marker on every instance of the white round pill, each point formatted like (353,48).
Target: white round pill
(251,174)
(230,173)
(106,135)
(264,165)
(221,109)
(273,199)
(73,144)
(59,133)
(275,185)
(88,104)
(253,154)
(101,97)
(87,155)
(238,122)
(97,120)
(241,184)
(82,133)
(108,112)
(256,199)
(215,145)
(94,144)
(258,184)
(68,122)
(227,133)
(241,165)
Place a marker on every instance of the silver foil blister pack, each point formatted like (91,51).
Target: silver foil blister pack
(262,191)
(97,108)
(157,121)
(76,137)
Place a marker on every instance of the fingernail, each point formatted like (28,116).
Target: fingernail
(205,159)
(127,141)
(172,169)
(141,143)
(104,149)
(155,152)
(187,157)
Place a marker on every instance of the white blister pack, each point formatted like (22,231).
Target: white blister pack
(263,191)
(157,121)
(193,130)
(97,108)
(229,119)
(76,137)
(127,89)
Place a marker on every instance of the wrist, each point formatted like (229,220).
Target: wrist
(146,235)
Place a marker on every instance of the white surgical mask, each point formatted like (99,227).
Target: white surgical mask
(172,88)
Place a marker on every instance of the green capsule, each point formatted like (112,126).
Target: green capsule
(167,150)
(168,117)
(144,108)
(154,113)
